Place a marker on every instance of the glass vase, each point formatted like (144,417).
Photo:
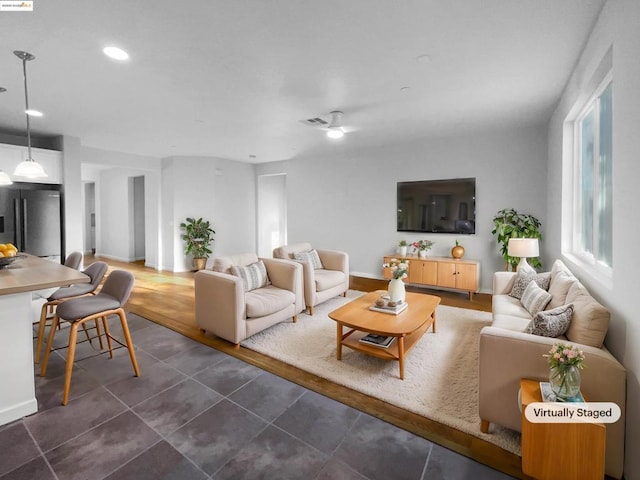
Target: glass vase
(396,290)
(565,381)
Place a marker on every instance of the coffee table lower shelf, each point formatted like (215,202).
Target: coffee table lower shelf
(396,351)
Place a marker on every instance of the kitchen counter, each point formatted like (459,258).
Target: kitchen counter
(17,282)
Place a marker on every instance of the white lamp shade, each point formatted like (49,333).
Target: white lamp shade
(30,169)
(523,247)
(335,132)
(4,179)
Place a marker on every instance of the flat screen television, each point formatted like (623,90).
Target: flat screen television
(437,206)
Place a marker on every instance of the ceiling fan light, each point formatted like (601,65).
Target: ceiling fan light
(335,132)
(30,169)
(4,178)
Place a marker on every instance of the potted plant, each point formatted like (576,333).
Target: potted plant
(423,247)
(507,224)
(402,248)
(197,235)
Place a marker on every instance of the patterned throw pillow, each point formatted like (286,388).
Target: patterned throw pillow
(523,277)
(552,323)
(535,299)
(310,257)
(253,276)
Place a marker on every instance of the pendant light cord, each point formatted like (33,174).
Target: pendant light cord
(26,102)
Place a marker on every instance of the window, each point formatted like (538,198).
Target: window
(593,166)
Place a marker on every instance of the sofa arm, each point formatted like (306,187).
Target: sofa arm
(286,274)
(503,282)
(506,356)
(220,305)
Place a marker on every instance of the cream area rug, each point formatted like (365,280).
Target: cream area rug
(441,371)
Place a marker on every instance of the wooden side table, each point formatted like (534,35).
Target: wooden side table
(560,450)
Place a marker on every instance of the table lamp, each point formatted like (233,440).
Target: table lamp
(523,248)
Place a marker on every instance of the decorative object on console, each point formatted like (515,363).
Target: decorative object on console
(402,248)
(197,236)
(523,248)
(423,247)
(457,251)
(396,288)
(28,168)
(508,223)
(565,361)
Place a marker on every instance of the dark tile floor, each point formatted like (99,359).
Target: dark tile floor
(197,413)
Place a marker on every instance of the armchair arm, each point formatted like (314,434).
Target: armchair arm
(287,274)
(503,282)
(220,305)
(334,260)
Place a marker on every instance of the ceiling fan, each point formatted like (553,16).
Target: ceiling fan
(331,124)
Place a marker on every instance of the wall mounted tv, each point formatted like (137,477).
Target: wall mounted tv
(437,206)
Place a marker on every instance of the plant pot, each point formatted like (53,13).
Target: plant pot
(422,253)
(199,263)
(457,251)
(403,251)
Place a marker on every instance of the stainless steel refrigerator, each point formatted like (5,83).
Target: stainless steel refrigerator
(30,218)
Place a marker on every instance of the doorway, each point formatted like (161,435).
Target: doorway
(272,213)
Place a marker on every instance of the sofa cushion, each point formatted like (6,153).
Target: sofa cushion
(523,277)
(552,323)
(590,320)
(267,300)
(559,287)
(253,276)
(311,256)
(509,322)
(326,279)
(509,306)
(534,298)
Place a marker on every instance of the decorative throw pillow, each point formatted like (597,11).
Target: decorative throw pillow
(534,298)
(253,276)
(310,257)
(523,277)
(552,323)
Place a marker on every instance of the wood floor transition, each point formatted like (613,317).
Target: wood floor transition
(164,297)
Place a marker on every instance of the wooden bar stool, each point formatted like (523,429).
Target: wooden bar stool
(95,272)
(109,301)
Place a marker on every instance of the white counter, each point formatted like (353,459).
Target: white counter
(17,395)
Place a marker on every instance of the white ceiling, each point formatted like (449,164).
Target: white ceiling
(232,79)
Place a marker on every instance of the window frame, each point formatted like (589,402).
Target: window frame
(588,260)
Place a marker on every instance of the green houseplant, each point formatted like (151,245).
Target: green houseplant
(197,235)
(508,223)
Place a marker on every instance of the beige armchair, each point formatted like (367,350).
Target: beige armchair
(320,284)
(224,308)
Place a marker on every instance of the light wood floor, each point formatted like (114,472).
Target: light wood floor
(164,297)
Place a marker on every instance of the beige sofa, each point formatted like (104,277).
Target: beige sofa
(508,354)
(224,308)
(320,284)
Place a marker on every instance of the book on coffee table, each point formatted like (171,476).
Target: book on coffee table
(395,310)
(377,340)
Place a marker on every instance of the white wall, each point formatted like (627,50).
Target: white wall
(617,27)
(348,201)
(218,190)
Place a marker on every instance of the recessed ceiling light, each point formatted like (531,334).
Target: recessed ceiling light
(115,53)
(423,59)
(33,113)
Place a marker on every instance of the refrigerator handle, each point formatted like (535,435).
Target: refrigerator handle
(24,224)
(17,231)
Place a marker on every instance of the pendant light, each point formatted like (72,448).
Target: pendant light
(29,168)
(335,129)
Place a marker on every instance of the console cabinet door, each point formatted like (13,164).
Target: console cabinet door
(467,277)
(447,274)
